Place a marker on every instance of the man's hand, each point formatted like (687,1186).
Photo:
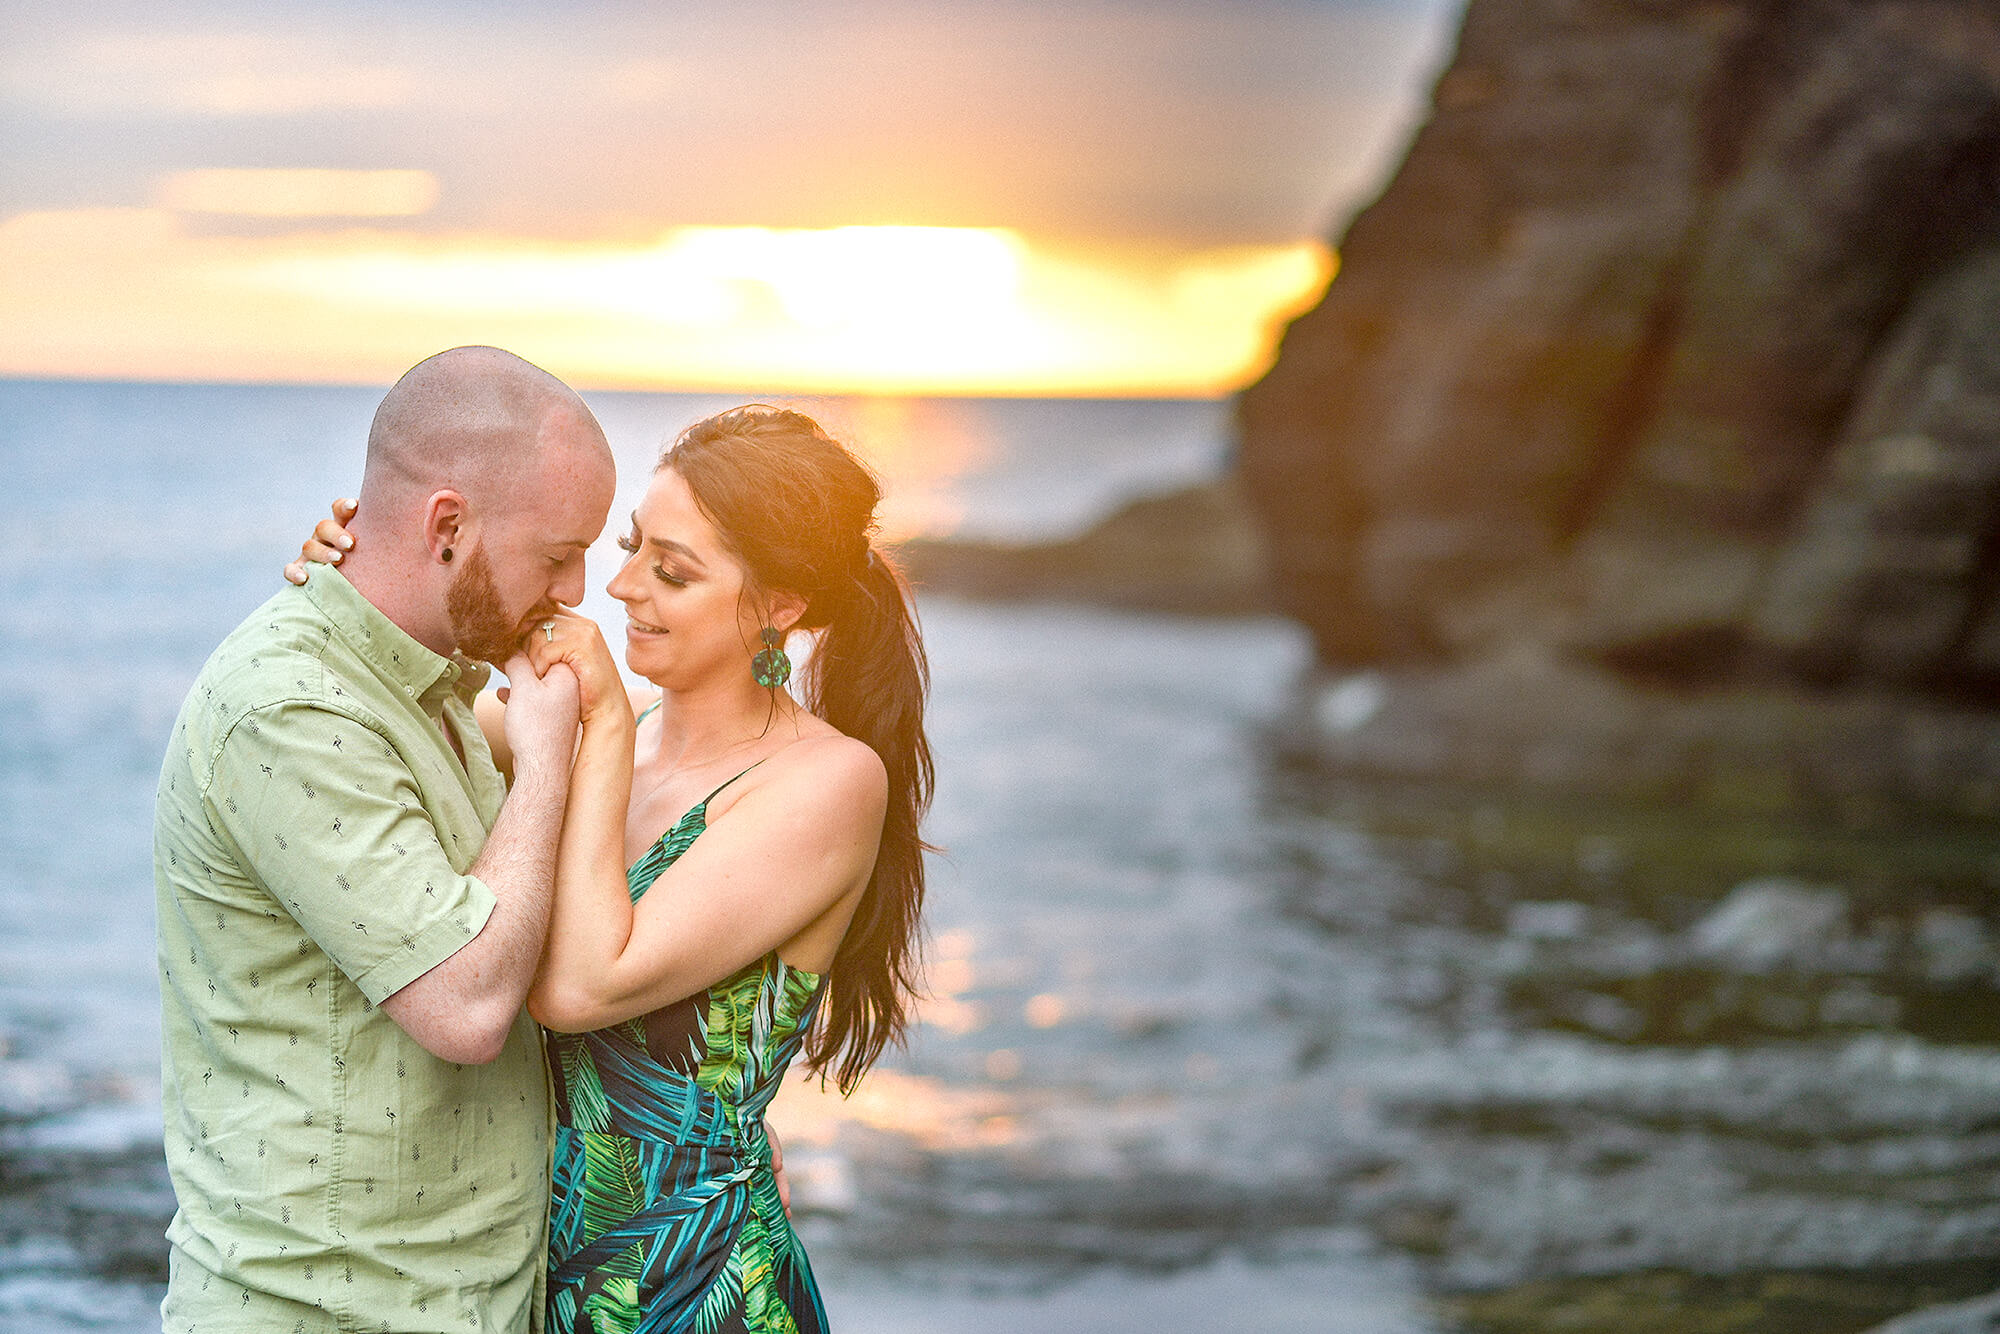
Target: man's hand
(541,715)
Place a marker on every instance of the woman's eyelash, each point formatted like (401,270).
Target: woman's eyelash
(659,571)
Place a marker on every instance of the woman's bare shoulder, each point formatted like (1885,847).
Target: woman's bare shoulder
(828,769)
(837,753)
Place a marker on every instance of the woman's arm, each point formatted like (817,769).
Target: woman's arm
(794,849)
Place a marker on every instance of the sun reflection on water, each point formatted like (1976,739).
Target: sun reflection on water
(935,1116)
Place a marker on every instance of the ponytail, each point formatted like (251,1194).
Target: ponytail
(869,678)
(799,508)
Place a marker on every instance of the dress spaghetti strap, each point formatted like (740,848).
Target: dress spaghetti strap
(718,791)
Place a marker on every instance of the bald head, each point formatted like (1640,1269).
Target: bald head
(477,420)
(487,479)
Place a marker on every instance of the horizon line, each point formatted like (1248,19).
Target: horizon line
(1109,394)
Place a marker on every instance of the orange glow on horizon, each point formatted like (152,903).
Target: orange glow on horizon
(133,293)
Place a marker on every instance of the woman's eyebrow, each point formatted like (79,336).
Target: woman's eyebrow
(680,549)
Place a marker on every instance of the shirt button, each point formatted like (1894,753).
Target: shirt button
(409,690)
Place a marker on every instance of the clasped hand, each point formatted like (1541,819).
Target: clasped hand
(574,641)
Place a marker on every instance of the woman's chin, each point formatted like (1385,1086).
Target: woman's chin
(642,650)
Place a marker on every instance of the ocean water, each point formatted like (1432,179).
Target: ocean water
(1215,1040)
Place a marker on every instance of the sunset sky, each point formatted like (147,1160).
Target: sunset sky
(1110,196)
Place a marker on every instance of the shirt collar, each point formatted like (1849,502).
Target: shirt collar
(422,675)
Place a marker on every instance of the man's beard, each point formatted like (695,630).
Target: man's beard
(485,632)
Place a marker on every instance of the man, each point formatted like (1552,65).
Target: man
(352,903)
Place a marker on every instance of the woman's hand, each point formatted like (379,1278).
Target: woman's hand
(576,641)
(329,539)
(778,1168)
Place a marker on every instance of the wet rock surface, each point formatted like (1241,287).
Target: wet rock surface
(1678,1303)
(1776,1085)
(1851,760)
(83,1206)
(1978,1316)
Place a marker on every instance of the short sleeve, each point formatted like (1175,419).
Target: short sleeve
(327,818)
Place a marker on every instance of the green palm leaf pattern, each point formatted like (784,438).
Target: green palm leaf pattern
(614,1308)
(788,1253)
(663,1147)
(588,1108)
(612,1191)
(764,1310)
(723,1296)
(726,1031)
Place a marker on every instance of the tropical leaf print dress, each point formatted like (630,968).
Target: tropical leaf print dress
(666,1215)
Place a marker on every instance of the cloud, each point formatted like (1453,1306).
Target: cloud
(205,74)
(299,192)
(1252,121)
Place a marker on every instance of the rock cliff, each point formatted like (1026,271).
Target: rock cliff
(1673,349)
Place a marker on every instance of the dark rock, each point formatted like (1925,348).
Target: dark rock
(1885,564)
(1196,551)
(99,1212)
(1677,1302)
(1671,354)
(1589,358)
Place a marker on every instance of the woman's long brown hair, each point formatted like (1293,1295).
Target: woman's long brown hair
(799,509)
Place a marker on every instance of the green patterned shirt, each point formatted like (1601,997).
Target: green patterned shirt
(311,840)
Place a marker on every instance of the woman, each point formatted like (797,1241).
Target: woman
(739,875)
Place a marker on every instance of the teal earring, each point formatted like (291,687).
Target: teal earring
(771,667)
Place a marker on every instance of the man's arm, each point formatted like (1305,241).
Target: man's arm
(462,1009)
(327,817)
